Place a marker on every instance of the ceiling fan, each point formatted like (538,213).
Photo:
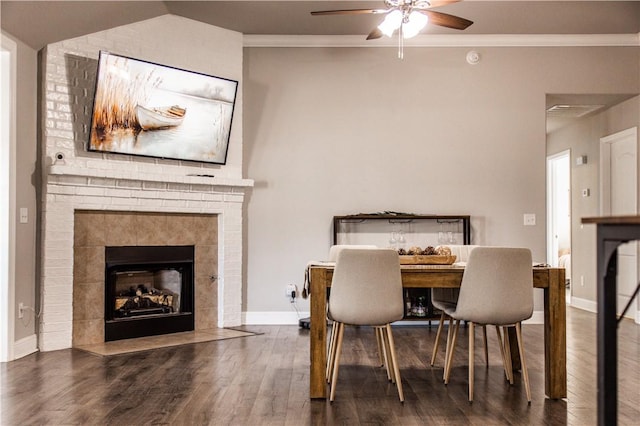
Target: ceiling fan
(408,17)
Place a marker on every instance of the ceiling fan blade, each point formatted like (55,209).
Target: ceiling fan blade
(446,20)
(349,12)
(438,3)
(376,33)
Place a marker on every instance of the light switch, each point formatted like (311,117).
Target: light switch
(24,215)
(529,219)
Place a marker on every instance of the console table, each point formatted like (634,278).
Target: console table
(611,232)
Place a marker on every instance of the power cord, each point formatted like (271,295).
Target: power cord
(292,290)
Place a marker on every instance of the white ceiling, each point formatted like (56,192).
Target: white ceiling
(38,23)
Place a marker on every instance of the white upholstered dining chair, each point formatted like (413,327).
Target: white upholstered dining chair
(366,290)
(447,298)
(496,289)
(334,250)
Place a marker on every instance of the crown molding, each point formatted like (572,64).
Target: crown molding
(437,40)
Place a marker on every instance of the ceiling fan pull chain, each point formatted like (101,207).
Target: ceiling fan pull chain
(400,43)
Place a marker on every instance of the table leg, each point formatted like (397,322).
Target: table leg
(607,336)
(318,333)
(555,335)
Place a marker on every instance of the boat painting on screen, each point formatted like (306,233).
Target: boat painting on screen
(153,110)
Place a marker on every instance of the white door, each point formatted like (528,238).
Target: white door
(619,184)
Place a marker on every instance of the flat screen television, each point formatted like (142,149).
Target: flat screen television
(152,110)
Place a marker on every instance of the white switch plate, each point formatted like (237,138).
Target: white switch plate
(24,215)
(529,219)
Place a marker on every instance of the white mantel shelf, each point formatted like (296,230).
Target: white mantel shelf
(189,179)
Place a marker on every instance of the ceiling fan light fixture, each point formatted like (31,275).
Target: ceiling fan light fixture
(391,22)
(415,23)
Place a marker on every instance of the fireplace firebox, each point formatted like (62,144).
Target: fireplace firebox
(149,291)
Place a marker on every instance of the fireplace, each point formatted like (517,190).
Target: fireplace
(149,290)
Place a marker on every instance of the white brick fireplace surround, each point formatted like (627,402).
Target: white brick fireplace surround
(91,181)
(70,189)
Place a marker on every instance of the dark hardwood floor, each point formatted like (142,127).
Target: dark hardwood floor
(264,380)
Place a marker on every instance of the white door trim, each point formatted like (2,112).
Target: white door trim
(605,200)
(551,252)
(8,51)
(605,166)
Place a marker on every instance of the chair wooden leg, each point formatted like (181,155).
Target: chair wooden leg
(394,361)
(507,354)
(331,352)
(450,350)
(486,346)
(501,344)
(378,332)
(525,373)
(471,358)
(448,347)
(336,363)
(387,355)
(437,342)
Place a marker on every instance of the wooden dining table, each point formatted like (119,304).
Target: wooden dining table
(551,280)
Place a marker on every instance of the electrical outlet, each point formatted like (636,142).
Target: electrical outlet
(21,310)
(292,291)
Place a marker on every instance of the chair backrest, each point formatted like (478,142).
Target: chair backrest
(367,287)
(497,286)
(462,252)
(334,250)
(450,295)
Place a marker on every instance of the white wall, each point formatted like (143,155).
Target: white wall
(333,131)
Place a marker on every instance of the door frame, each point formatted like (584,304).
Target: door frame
(605,195)
(8,51)
(605,166)
(552,247)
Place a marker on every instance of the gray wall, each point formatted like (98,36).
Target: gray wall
(333,131)
(26,113)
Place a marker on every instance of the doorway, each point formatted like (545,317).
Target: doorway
(619,189)
(559,213)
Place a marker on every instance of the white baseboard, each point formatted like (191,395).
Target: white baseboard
(584,304)
(292,318)
(536,318)
(273,318)
(25,346)
(592,306)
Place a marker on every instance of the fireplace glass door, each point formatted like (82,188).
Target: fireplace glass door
(149,291)
(142,293)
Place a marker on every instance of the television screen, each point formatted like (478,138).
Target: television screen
(153,110)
